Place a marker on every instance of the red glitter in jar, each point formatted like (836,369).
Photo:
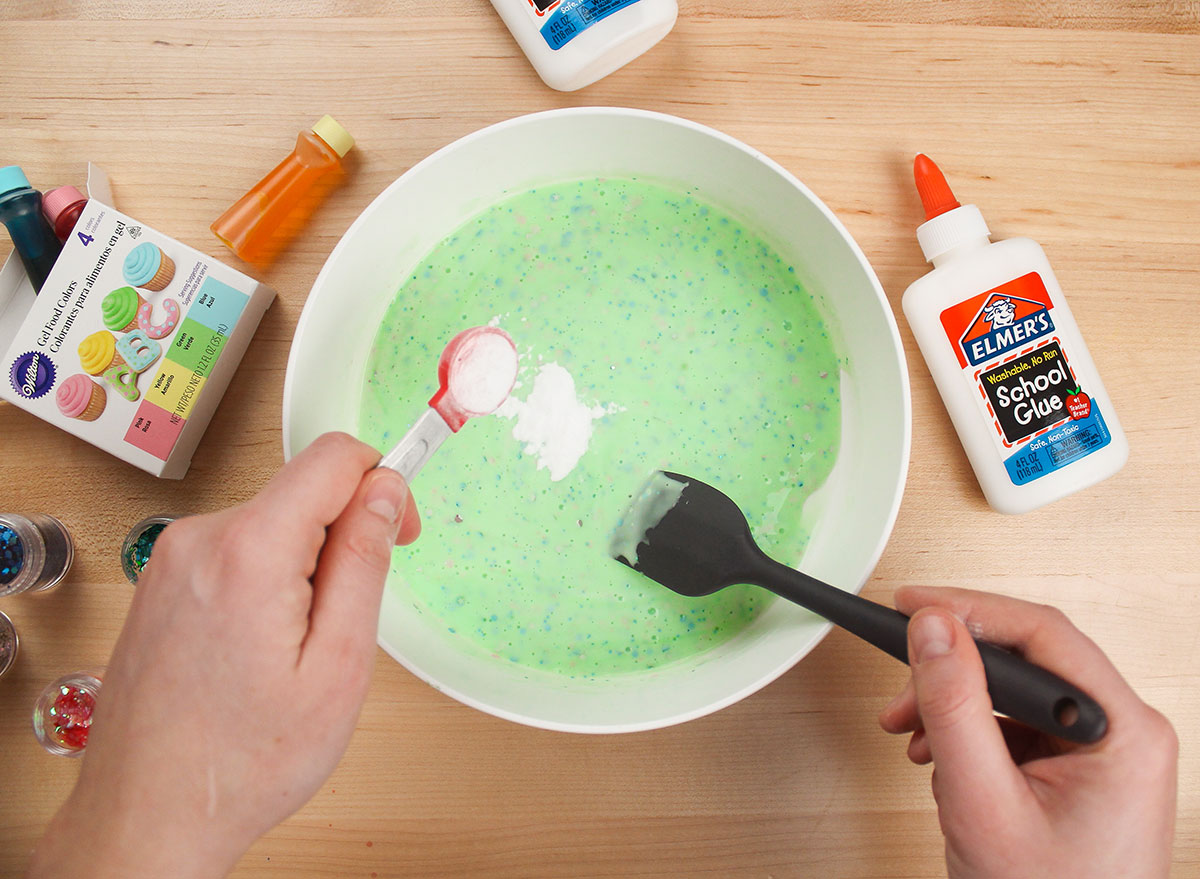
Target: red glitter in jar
(62,717)
(72,713)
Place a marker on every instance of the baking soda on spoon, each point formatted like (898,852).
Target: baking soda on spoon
(476,373)
(483,372)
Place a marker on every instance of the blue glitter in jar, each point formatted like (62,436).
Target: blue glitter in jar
(12,554)
(36,551)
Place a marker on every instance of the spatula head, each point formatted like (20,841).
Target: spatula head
(686,535)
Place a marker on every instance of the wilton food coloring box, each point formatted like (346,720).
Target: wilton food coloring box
(132,340)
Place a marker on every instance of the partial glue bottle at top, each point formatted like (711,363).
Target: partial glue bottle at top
(1007,358)
(253,227)
(573,43)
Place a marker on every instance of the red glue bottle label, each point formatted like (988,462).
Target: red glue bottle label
(1006,344)
(1007,358)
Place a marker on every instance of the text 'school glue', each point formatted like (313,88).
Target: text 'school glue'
(32,237)
(1007,358)
(63,207)
(251,227)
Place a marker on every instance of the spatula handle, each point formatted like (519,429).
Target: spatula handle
(1019,689)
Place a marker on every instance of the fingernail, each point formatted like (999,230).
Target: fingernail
(932,636)
(387,495)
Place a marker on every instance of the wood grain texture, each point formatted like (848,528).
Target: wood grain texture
(1084,139)
(1172,16)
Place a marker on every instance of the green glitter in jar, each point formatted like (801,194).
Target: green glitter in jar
(135,552)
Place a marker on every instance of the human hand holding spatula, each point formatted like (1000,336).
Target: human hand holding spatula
(693,539)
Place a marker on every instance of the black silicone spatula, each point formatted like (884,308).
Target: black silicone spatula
(694,540)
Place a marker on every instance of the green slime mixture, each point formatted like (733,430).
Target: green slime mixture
(712,361)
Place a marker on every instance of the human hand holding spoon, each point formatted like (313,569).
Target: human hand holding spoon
(476,373)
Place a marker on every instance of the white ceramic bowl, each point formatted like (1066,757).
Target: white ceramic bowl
(850,517)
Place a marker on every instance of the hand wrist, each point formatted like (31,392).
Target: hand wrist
(101,841)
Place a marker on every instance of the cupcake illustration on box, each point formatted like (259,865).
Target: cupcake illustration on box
(120,309)
(125,310)
(119,360)
(148,267)
(98,353)
(80,397)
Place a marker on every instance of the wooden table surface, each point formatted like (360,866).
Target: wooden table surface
(1080,129)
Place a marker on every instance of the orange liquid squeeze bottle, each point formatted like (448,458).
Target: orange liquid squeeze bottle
(253,227)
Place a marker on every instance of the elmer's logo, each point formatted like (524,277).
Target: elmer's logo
(32,375)
(1004,323)
(1002,319)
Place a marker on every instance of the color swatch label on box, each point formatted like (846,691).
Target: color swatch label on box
(190,359)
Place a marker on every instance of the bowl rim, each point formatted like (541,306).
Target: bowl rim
(889,319)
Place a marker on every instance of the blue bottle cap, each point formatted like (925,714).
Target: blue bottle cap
(12,177)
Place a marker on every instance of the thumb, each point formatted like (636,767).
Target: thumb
(975,772)
(354,563)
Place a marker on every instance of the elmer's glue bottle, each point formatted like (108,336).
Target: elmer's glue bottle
(1007,358)
(573,43)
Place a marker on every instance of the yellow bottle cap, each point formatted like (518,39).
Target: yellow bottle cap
(332,133)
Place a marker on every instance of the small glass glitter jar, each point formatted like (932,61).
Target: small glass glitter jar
(135,551)
(62,715)
(9,644)
(36,552)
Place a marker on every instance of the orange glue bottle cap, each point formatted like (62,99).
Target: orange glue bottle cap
(948,225)
(935,193)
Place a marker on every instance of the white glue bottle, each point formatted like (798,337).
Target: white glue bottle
(573,43)
(1007,358)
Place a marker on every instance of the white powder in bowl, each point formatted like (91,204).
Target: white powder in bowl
(554,424)
(482,373)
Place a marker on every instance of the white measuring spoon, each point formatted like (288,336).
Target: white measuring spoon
(476,373)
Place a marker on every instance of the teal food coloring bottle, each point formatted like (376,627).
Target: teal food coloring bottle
(33,238)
